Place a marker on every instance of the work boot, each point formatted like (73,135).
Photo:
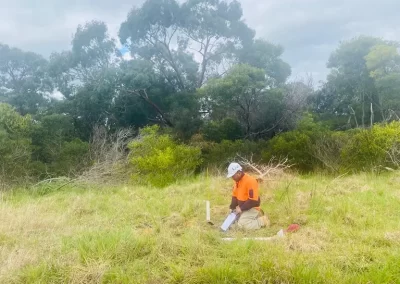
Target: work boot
(264,220)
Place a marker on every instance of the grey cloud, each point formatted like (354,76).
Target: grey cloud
(308,29)
(44,26)
(311,29)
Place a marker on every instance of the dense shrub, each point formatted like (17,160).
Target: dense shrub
(312,147)
(226,129)
(49,134)
(219,155)
(327,148)
(372,148)
(297,145)
(56,151)
(15,144)
(72,158)
(158,160)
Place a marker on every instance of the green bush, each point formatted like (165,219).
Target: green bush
(327,148)
(297,145)
(227,129)
(56,151)
(49,134)
(312,147)
(158,160)
(15,144)
(370,148)
(72,158)
(221,154)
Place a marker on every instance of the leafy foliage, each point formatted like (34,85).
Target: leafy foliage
(168,33)
(158,160)
(297,145)
(15,143)
(264,55)
(219,155)
(23,80)
(370,148)
(226,129)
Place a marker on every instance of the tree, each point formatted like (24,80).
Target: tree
(137,78)
(87,77)
(23,79)
(297,95)
(266,56)
(383,63)
(93,53)
(15,143)
(172,35)
(93,104)
(242,95)
(350,91)
(226,129)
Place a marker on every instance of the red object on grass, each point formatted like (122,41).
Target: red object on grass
(292,228)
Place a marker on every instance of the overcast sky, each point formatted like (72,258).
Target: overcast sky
(308,29)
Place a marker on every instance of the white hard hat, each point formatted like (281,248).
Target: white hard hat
(233,169)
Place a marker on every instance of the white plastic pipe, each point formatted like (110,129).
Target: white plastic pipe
(250,239)
(280,234)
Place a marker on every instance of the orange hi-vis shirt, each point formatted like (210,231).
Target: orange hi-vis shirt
(246,192)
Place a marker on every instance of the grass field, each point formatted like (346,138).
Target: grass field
(350,233)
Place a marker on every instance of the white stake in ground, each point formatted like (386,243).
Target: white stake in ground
(208,213)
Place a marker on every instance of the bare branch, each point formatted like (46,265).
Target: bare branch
(108,152)
(142,93)
(275,167)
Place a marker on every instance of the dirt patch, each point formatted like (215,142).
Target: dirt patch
(308,240)
(15,259)
(393,236)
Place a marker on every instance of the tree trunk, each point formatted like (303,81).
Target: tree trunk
(204,64)
(363,110)
(372,116)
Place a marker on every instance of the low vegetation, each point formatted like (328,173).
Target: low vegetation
(131,234)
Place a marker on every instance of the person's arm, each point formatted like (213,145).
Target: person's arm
(254,200)
(250,203)
(234,201)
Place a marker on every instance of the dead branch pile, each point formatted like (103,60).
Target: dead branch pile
(109,156)
(269,171)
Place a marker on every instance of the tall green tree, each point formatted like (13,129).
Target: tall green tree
(86,77)
(185,42)
(264,55)
(383,62)
(93,54)
(350,91)
(242,94)
(23,79)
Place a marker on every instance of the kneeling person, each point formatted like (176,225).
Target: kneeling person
(245,199)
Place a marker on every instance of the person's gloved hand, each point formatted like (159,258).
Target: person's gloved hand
(238,210)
